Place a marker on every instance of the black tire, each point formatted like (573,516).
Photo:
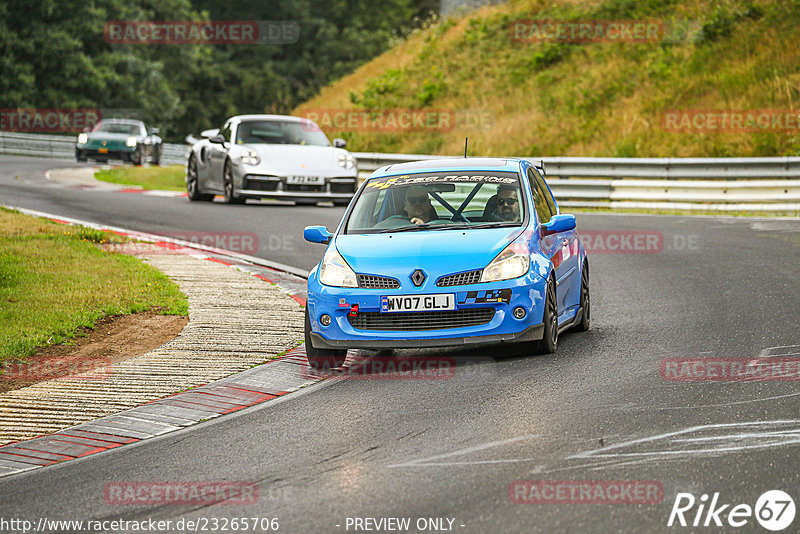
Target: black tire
(192,187)
(586,303)
(227,184)
(322,359)
(81,159)
(136,157)
(156,159)
(341,203)
(305,202)
(549,341)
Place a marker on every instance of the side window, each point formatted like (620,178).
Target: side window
(551,203)
(543,212)
(226,131)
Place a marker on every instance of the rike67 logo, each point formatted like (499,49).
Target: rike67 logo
(774,510)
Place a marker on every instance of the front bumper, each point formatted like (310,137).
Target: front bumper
(105,152)
(527,292)
(335,188)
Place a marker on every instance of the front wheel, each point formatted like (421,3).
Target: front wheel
(549,341)
(156,159)
(322,359)
(230,196)
(136,157)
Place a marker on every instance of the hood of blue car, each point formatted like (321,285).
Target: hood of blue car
(437,253)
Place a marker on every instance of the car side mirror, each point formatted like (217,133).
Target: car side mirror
(558,224)
(217,139)
(317,234)
(339,143)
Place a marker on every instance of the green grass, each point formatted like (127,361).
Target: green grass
(596,99)
(170,178)
(56,279)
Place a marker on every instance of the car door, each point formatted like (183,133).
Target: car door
(217,153)
(565,251)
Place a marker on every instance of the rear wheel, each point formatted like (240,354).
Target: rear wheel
(192,187)
(586,317)
(549,341)
(230,196)
(322,359)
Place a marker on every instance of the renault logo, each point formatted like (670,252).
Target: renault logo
(418,277)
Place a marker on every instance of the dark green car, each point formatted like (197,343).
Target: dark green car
(125,139)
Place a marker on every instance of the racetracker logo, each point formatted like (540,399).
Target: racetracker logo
(622,241)
(180,493)
(774,510)
(731,120)
(586,31)
(201,32)
(68,367)
(585,492)
(49,120)
(242,242)
(397,120)
(730,369)
(388,368)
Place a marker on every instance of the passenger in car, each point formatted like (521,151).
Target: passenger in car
(418,206)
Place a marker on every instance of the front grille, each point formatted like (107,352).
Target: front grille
(434,320)
(460,279)
(368,281)
(305,188)
(261,185)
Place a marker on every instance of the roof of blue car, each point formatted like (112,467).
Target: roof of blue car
(446,164)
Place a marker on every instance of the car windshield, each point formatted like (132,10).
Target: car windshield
(117,127)
(438,201)
(277,132)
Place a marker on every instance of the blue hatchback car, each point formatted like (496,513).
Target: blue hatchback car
(450,252)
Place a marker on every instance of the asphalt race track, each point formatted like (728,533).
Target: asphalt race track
(601,409)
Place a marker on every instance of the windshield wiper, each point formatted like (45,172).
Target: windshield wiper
(494,225)
(423,226)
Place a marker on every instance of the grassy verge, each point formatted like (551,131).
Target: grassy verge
(583,99)
(55,280)
(165,178)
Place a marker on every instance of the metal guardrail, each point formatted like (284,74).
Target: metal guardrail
(63,147)
(715,184)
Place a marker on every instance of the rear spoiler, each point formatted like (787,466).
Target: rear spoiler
(540,167)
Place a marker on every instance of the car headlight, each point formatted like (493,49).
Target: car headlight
(346,161)
(513,262)
(334,271)
(83,139)
(131,142)
(250,157)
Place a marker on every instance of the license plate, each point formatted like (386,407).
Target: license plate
(305,180)
(103,150)
(411,303)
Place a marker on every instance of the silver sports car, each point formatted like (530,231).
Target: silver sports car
(270,156)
